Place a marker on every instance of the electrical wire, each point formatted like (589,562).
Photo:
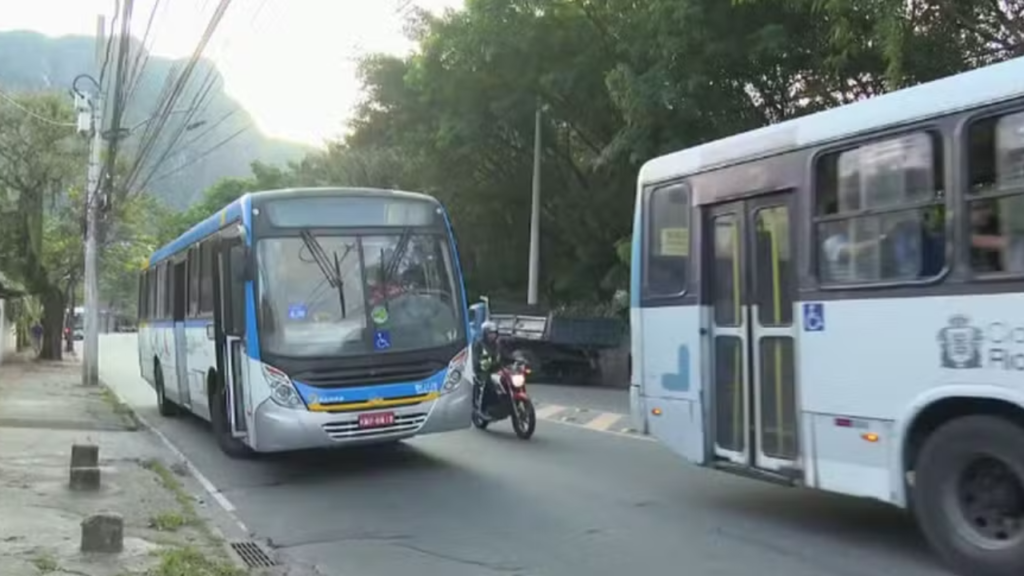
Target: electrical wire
(202,155)
(177,89)
(33,114)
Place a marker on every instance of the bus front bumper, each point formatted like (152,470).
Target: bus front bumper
(279,429)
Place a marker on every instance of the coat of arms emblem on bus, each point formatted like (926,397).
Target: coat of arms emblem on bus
(961,343)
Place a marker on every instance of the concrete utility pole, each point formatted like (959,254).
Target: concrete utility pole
(90,361)
(531,293)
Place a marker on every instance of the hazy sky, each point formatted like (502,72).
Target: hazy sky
(291,63)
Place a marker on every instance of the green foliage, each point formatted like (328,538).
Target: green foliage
(40,236)
(619,82)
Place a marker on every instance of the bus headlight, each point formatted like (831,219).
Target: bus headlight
(456,369)
(282,392)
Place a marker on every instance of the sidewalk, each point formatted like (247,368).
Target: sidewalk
(167,530)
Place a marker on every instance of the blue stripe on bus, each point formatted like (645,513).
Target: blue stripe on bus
(458,268)
(192,323)
(203,229)
(252,340)
(365,393)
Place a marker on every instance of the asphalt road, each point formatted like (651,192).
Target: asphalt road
(571,502)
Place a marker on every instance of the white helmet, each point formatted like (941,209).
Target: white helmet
(488,327)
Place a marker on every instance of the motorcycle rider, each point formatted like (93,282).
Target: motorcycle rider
(489,355)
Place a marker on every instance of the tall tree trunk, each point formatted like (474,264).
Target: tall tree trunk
(69,340)
(53,324)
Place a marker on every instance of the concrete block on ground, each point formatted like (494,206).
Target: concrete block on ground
(103,533)
(85,479)
(85,456)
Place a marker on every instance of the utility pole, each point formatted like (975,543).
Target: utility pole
(90,360)
(531,293)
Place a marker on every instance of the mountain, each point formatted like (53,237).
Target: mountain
(33,62)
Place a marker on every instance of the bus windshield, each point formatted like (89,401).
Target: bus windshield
(362,294)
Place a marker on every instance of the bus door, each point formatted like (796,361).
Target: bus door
(178,308)
(752,276)
(229,326)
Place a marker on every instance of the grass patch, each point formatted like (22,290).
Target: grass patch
(184,499)
(120,408)
(45,564)
(168,521)
(191,562)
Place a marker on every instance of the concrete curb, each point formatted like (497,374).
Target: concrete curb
(203,481)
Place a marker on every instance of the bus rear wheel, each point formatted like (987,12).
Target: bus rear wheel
(221,425)
(968,496)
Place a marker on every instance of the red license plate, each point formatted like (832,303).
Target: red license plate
(376,419)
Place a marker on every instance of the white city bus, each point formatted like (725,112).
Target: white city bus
(836,302)
(307,318)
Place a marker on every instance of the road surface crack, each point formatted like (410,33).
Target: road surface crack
(497,567)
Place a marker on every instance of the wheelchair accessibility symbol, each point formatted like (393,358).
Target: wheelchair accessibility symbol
(382,340)
(814,317)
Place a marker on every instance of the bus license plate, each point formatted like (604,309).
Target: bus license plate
(376,420)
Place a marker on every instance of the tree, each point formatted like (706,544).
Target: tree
(41,162)
(130,241)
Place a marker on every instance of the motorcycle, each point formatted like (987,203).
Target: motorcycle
(506,397)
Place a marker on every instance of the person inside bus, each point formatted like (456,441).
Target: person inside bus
(991,250)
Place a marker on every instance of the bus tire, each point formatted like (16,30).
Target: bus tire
(968,495)
(165,407)
(221,425)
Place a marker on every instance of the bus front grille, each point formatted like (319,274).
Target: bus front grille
(370,375)
(349,429)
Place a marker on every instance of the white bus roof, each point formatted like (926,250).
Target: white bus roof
(991,84)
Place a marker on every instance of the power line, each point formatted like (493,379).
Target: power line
(178,87)
(202,155)
(33,114)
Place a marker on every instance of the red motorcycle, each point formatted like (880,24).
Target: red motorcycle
(505,396)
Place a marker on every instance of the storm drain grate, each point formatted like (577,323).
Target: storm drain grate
(252,555)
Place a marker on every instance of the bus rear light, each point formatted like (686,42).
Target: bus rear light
(870,437)
(656,411)
(282,392)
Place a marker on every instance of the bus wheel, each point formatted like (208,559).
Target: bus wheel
(969,495)
(221,425)
(164,406)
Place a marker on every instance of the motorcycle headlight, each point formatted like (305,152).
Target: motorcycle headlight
(518,380)
(282,392)
(456,368)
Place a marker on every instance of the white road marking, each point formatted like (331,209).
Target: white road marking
(603,421)
(545,412)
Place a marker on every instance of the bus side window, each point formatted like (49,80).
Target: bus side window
(193,282)
(206,278)
(151,286)
(668,241)
(865,228)
(995,199)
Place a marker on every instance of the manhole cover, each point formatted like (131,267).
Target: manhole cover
(252,555)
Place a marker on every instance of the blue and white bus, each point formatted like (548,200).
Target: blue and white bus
(305,318)
(837,302)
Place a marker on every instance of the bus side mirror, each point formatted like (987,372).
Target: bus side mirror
(477,316)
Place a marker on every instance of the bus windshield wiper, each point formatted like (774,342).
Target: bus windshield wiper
(331,271)
(401,247)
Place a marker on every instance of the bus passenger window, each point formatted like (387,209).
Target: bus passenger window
(668,244)
(996,195)
(880,213)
